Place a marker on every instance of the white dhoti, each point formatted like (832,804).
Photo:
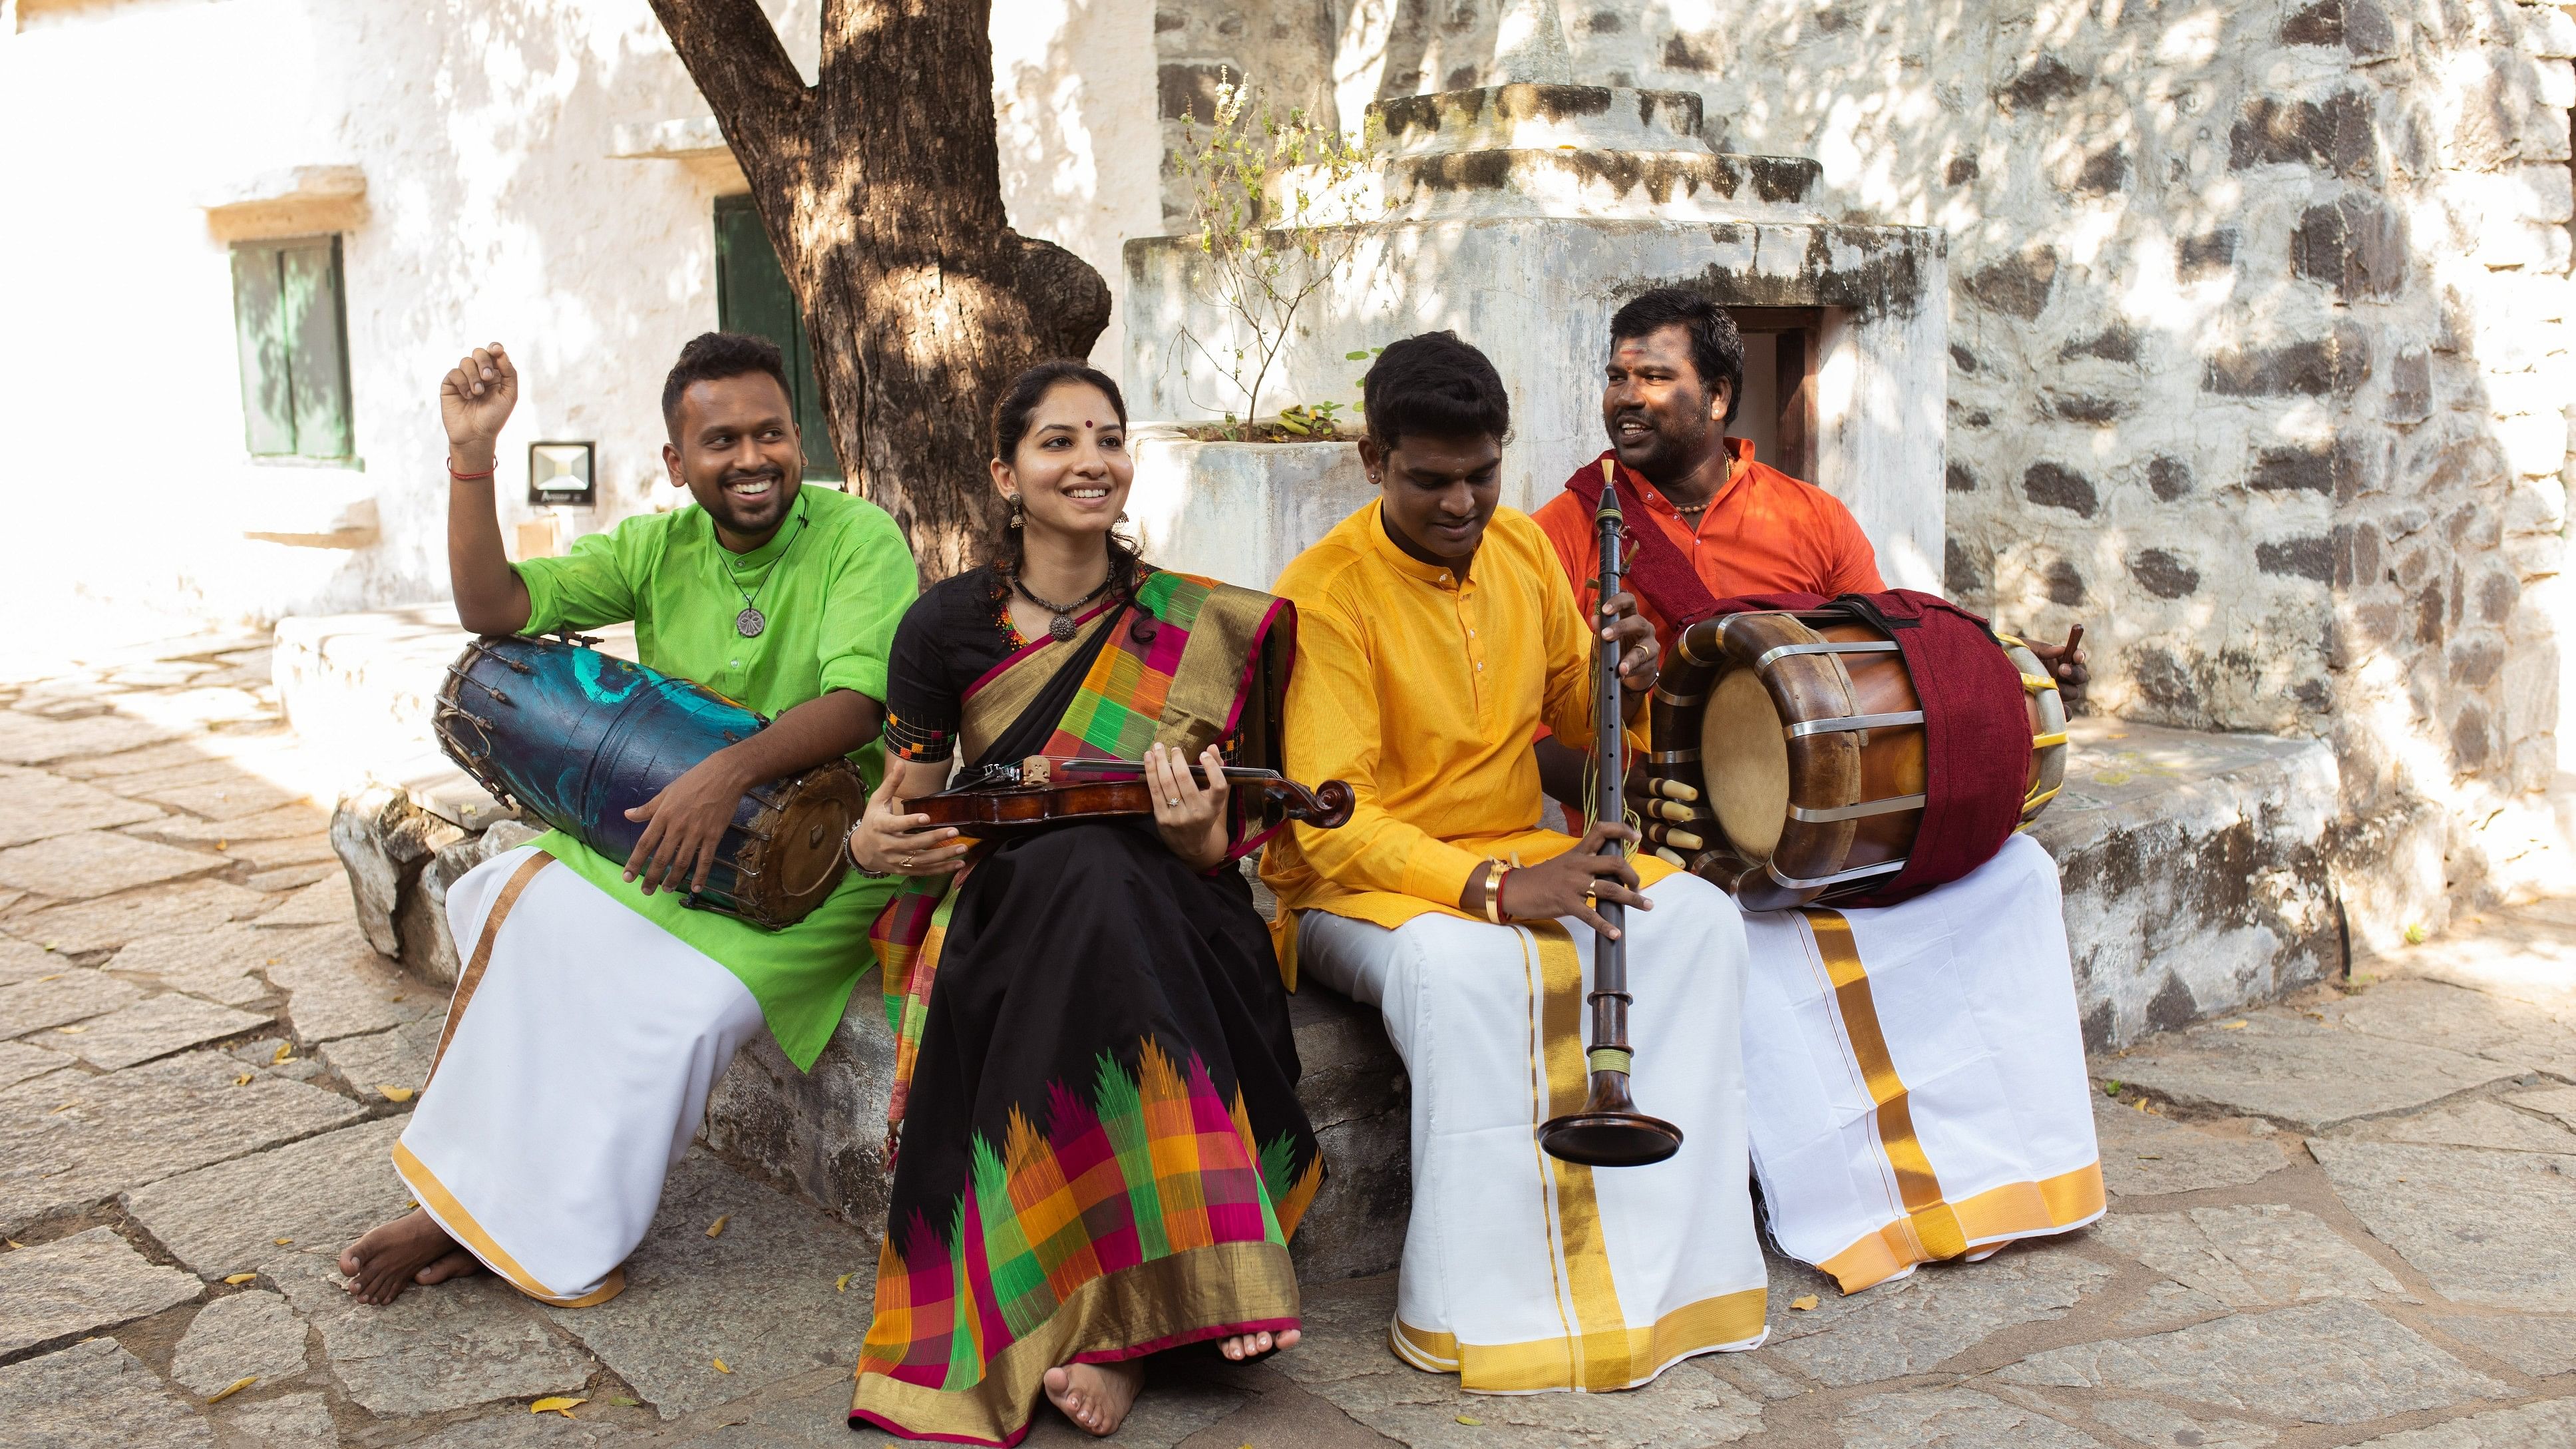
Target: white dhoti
(574,1070)
(1917,1074)
(1523,1273)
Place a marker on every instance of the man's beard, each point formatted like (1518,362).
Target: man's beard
(1660,455)
(751,515)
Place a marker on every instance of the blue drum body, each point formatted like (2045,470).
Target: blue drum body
(577,738)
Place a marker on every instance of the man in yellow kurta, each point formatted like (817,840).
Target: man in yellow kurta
(1436,633)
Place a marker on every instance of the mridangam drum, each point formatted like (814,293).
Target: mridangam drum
(1803,735)
(578,738)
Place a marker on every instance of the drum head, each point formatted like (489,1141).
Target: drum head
(813,820)
(1745,759)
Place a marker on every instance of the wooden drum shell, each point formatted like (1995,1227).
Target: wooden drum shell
(1731,681)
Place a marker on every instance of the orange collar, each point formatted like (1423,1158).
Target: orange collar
(1739,466)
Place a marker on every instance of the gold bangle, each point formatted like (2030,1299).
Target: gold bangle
(1494,891)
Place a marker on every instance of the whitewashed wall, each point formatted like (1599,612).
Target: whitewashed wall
(495,209)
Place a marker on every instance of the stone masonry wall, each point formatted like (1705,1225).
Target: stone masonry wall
(2259,342)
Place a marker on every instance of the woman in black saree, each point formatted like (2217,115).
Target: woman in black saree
(1101,1150)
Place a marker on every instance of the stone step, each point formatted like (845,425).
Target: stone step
(1527,116)
(2196,872)
(362,687)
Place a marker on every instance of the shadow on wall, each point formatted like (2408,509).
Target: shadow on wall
(2259,358)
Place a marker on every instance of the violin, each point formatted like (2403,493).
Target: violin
(1046,790)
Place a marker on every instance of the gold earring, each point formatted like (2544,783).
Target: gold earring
(1016,512)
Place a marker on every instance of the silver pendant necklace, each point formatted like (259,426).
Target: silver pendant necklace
(751,622)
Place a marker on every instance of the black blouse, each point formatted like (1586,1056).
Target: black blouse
(952,636)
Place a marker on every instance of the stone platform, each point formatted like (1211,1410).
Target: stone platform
(2194,868)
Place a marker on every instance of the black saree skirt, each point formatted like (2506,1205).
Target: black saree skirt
(1103,1153)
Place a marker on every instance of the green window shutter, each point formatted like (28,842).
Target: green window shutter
(268,395)
(315,317)
(290,318)
(752,295)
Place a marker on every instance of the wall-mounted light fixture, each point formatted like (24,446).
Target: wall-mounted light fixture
(559,474)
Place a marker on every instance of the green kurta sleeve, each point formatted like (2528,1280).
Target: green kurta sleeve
(869,591)
(600,580)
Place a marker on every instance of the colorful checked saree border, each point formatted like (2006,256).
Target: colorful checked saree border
(1184,682)
(1153,1171)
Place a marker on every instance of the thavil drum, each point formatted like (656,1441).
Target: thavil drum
(1817,748)
(578,738)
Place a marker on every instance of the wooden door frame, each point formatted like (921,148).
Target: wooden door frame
(1799,334)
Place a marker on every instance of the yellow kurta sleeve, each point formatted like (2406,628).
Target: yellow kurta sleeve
(1566,703)
(1333,733)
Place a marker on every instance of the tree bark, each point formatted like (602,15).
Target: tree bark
(880,187)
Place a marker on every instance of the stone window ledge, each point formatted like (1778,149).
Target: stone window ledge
(295,201)
(696,142)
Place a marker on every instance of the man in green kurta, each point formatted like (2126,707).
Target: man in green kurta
(603,1008)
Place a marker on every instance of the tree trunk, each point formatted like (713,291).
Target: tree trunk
(880,187)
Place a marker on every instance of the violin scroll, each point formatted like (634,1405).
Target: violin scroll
(1326,807)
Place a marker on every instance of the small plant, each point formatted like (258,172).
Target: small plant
(1311,420)
(1275,208)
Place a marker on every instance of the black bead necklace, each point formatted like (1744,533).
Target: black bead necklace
(1060,628)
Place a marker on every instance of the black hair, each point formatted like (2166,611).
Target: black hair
(1716,348)
(1021,398)
(715,356)
(1434,384)
(1011,425)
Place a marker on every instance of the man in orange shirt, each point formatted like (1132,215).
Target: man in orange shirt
(1674,381)
(1954,1012)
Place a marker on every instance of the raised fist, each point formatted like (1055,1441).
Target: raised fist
(474,401)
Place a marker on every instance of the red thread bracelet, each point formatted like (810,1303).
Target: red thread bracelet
(470,477)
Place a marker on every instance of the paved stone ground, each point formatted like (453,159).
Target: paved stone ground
(2340,1220)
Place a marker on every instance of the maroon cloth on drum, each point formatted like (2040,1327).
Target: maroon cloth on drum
(1976,741)
(1976,732)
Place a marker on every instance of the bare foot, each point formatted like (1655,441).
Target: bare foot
(404,1251)
(1096,1396)
(458,1264)
(1253,1345)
